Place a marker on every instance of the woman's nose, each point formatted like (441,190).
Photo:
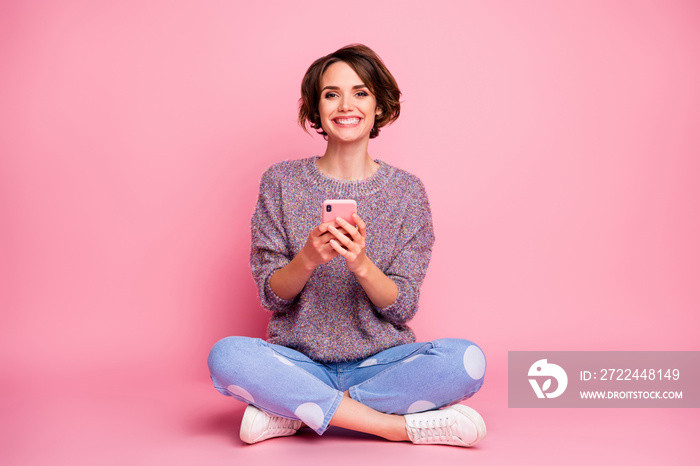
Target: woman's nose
(345,104)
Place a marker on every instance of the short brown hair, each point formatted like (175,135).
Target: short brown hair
(374,74)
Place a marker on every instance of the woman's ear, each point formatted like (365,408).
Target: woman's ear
(378,112)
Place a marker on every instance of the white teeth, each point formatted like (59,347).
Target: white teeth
(347,121)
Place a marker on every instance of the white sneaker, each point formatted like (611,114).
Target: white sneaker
(457,425)
(257,425)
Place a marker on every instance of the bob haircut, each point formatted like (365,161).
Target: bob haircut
(374,74)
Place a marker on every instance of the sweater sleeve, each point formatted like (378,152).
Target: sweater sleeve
(411,257)
(269,246)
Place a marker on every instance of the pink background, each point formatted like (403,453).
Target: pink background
(558,142)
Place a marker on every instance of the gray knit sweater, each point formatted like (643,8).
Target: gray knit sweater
(332,319)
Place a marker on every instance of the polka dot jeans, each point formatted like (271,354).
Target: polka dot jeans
(400,380)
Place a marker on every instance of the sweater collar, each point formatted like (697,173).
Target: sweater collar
(345,188)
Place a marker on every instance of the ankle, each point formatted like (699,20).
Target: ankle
(397,432)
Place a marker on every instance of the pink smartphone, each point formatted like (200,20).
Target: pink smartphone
(343,208)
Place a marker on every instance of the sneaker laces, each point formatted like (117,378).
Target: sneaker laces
(429,429)
(279,423)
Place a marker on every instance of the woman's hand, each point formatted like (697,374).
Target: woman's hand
(349,242)
(321,246)
(288,281)
(318,250)
(325,242)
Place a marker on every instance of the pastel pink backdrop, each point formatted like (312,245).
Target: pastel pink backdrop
(558,142)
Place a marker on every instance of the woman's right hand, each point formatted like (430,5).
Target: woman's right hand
(288,281)
(318,250)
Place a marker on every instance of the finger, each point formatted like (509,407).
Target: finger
(340,236)
(321,229)
(326,237)
(338,248)
(352,231)
(361,225)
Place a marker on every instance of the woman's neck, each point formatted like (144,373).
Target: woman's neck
(347,162)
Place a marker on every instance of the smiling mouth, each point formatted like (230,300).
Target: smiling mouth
(346,121)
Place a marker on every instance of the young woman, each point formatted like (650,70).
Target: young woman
(341,293)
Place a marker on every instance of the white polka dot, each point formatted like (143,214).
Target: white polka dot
(474,362)
(311,414)
(413,357)
(369,362)
(420,406)
(283,360)
(242,392)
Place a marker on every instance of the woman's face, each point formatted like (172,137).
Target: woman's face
(347,109)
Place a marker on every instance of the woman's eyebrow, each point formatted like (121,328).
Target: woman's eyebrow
(336,88)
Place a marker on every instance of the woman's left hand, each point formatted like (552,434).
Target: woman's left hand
(349,242)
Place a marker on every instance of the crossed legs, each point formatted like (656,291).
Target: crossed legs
(400,381)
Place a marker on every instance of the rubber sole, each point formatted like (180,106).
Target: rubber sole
(476,418)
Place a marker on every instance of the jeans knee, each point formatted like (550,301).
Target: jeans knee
(468,354)
(226,351)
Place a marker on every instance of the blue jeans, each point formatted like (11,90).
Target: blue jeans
(400,380)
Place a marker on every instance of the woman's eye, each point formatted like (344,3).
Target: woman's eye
(362,94)
(330,95)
